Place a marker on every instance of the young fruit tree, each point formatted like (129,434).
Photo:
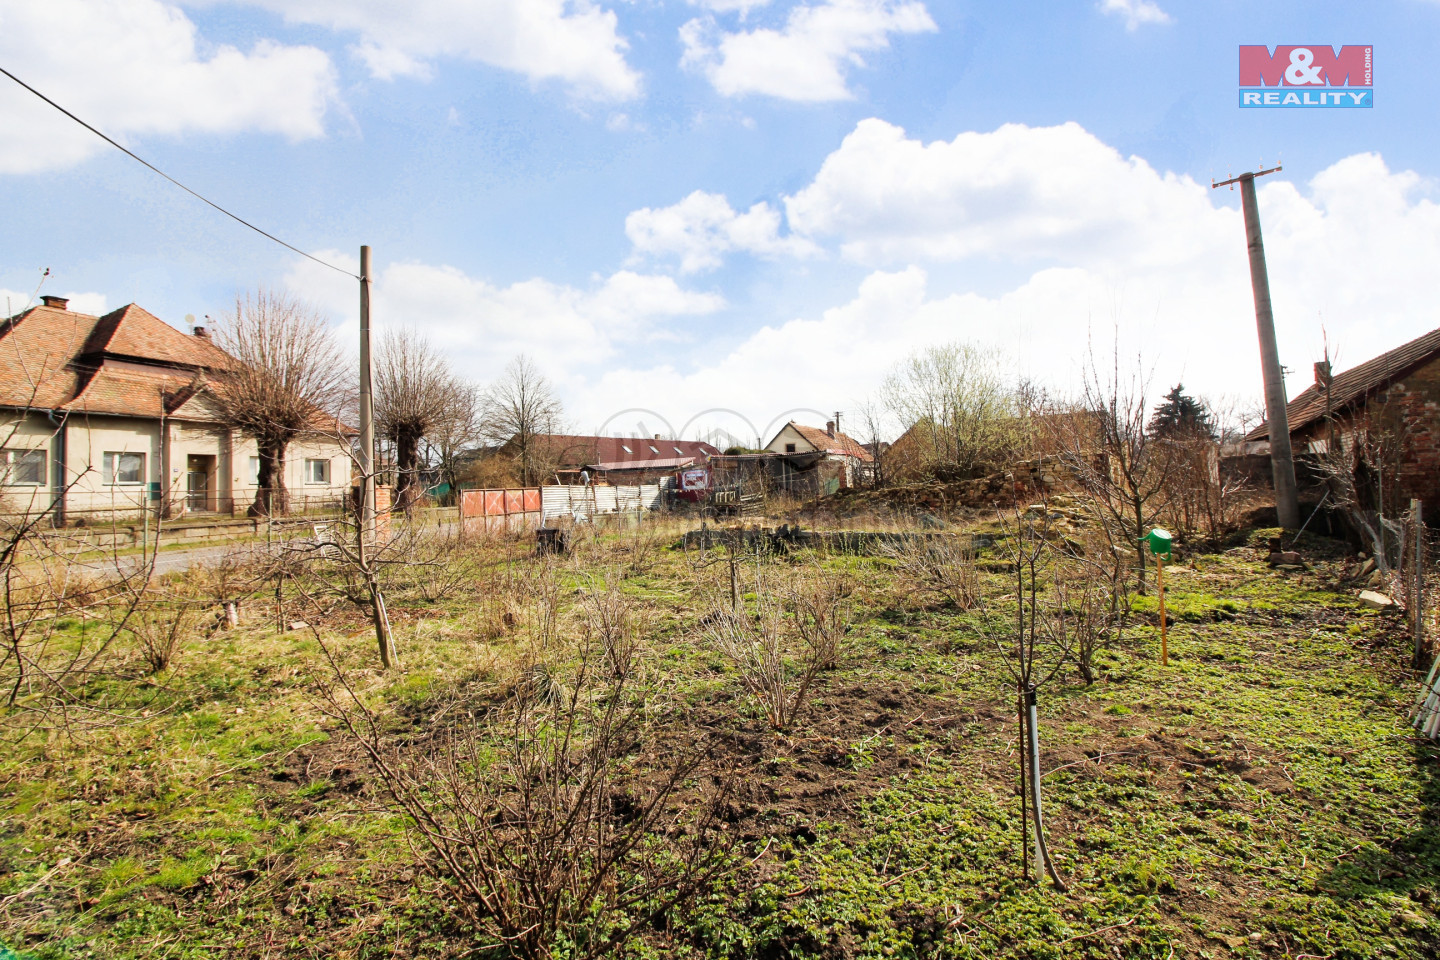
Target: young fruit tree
(1104,445)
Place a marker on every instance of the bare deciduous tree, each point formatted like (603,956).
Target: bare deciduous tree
(961,413)
(457,432)
(414,394)
(288,381)
(873,425)
(520,409)
(1033,646)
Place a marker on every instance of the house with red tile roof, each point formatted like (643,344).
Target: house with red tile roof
(1397,392)
(616,460)
(795,438)
(104,415)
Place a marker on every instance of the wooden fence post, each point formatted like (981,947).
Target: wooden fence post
(1417,587)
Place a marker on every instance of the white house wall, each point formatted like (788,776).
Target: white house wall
(33,431)
(789,434)
(87,438)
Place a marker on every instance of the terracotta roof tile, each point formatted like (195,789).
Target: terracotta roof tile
(840,443)
(134,332)
(571,452)
(133,393)
(37,348)
(1354,384)
(122,363)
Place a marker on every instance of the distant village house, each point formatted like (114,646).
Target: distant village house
(851,456)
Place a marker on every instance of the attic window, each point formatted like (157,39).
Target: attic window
(678,451)
(626,449)
(654,450)
(789,448)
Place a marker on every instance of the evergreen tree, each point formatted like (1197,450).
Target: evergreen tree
(1181,417)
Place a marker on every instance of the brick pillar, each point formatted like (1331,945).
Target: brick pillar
(382,511)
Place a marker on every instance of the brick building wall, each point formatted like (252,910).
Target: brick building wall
(1413,400)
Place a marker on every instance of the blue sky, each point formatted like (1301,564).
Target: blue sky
(580,181)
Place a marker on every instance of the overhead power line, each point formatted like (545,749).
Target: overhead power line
(130,153)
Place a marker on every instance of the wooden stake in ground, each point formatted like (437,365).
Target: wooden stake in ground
(1160,586)
(1417,588)
(1159,541)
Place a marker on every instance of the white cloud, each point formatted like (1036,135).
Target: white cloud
(14,301)
(1135,12)
(1107,240)
(808,59)
(742,7)
(703,227)
(1101,239)
(481,325)
(573,41)
(137,67)
(1023,193)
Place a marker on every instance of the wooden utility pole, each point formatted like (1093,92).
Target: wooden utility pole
(367,408)
(1282,462)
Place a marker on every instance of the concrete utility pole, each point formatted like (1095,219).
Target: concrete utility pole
(1282,462)
(367,407)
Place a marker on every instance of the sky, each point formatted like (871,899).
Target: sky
(727,213)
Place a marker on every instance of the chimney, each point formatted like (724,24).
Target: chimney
(830,428)
(58,303)
(1322,374)
(202,332)
(657,436)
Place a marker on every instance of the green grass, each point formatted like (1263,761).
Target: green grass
(1260,796)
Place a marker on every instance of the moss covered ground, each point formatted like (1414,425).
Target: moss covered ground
(1259,796)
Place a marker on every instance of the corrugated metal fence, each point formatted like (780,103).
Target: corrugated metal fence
(584,502)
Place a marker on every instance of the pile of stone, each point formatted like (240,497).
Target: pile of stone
(1367,577)
(1062,513)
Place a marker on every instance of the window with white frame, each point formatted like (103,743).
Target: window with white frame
(317,471)
(254,471)
(124,467)
(22,467)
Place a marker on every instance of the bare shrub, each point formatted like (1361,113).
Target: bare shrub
(438,566)
(777,658)
(160,629)
(1091,603)
(534,822)
(942,566)
(610,618)
(63,623)
(823,615)
(228,582)
(1104,446)
(1202,503)
(541,588)
(644,546)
